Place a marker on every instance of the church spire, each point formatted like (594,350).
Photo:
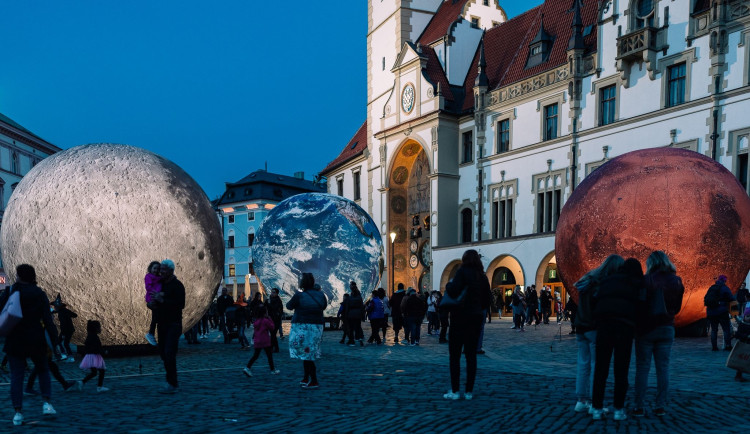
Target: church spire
(481,79)
(576,38)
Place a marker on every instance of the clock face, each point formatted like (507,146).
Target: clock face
(424,255)
(413,261)
(413,246)
(407,98)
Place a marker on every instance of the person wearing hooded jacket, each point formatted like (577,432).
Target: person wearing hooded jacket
(398,317)
(353,310)
(719,315)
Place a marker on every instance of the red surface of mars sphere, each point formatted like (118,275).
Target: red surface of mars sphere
(674,200)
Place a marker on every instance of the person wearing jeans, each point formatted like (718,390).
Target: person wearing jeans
(655,330)
(718,315)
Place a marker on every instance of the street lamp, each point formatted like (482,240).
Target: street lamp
(393,271)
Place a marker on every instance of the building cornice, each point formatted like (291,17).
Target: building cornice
(495,241)
(25,138)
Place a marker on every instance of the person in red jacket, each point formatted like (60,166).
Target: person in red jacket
(263,327)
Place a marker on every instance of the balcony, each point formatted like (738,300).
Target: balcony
(640,45)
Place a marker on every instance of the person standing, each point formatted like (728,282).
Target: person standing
(398,317)
(585,327)
(27,340)
(242,317)
(276,312)
(263,327)
(65,318)
(655,329)
(433,322)
(354,309)
(615,316)
(341,315)
(466,321)
(444,322)
(742,296)
(386,311)
(375,313)
(717,301)
(169,305)
(517,302)
(545,301)
(413,308)
(224,301)
(306,334)
(532,300)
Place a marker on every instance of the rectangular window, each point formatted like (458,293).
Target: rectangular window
(250,216)
(548,207)
(550,122)
(742,167)
(230,242)
(230,218)
(357,186)
(231,270)
(466,148)
(475,22)
(676,84)
(502,226)
(607,105)
(383,63)
(250,239)
(486,2)
(340,186)
(503,136)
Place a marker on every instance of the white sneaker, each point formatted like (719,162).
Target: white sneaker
(247,372)
(47,409)
(620,414)
(468,396)
(18,419)
(102,389)
(151,339)
(452,395)
(582,406)
(275,372)
(596,414)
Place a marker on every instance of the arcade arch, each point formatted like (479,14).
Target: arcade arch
(448,273)
(504,273)
(547,275)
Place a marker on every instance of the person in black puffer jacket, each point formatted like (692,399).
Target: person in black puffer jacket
(466,322)
(354,310)
(655,329)
(614,318)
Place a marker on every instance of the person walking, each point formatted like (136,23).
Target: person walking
(276,312)
(93,360)
(169,305)
(615,316)
(341,315)
(354,311)
(466,321)
(263,327)
(306,334)
(27,340)
(375,313)
(655,329)
(585,327)
(717,301)
(517,302)
(397,314)
(65,318)
(386,311)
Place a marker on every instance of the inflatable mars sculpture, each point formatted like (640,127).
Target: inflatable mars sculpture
(91,218)
(668,199)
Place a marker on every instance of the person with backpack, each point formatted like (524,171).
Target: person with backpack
(655,329)
(717,301)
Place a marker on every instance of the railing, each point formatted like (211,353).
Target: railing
(634,43)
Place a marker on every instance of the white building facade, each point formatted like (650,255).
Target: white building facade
(20,151)
(479,128)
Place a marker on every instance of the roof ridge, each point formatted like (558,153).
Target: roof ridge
(518,50)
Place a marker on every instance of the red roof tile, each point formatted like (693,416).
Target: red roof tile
(447,13)
(354,148)
(506,46)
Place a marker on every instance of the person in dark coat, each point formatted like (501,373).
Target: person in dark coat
(655,330)
(65,318)
(224,301)
(466,321)
(353,310)
(276,312)
(614,317)
(413,307)
(532,301)
(27,340)
(718,315)
(398,317)
(545,302)
(170,303)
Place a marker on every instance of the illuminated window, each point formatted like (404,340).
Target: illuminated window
(231,270)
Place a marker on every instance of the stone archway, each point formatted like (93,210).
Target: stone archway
(409,216)
(504,273)
(448,273)
(547,275)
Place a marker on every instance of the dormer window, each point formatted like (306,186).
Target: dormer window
(540,47)
(536,50)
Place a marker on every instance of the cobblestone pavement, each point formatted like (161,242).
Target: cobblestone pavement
(525,383)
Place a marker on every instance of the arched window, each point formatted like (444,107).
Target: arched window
(250,236)
(466,225)
(643,13)
(14,163)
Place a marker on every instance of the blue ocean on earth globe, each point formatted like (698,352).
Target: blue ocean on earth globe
(326,235)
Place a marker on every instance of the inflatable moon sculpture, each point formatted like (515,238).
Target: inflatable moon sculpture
(91,218)
(674,200)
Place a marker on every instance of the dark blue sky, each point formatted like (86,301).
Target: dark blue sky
(219,88)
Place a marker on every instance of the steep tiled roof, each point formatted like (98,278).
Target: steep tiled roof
(262,185)
(447,13)
(507,45)
(435,72)
(354,148)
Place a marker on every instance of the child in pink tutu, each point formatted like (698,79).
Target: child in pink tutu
(93,359)
(152,280)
